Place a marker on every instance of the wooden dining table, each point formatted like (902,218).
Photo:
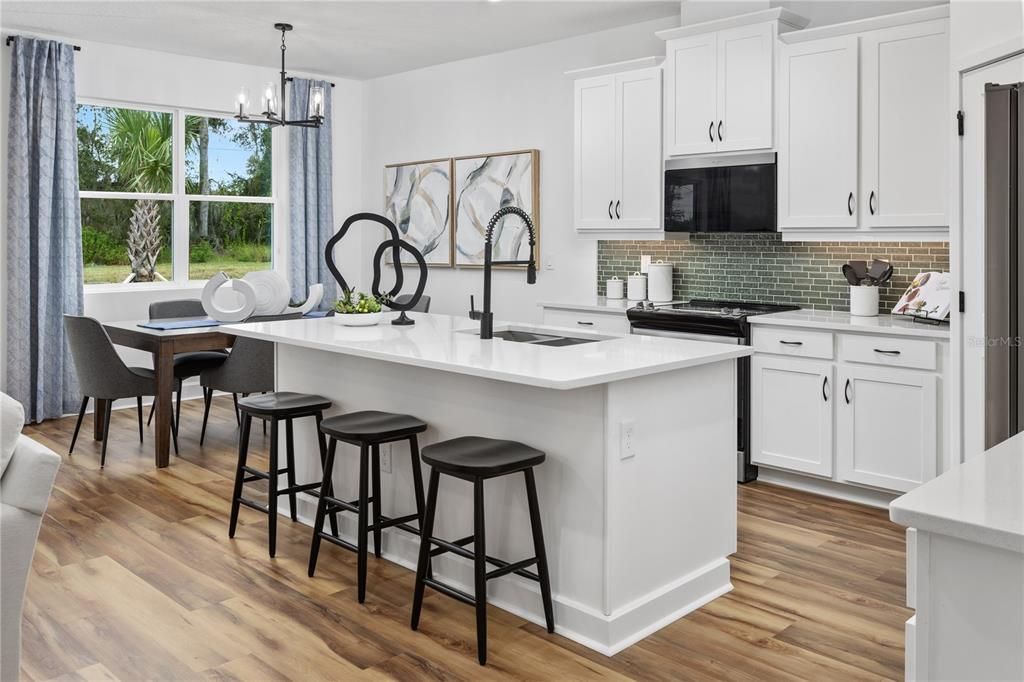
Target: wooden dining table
(163,344)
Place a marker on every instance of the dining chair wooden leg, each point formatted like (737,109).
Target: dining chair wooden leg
(238,417)
(139,403)
(152,409)
(207,399)
(177,406)
(78,424)
(106,431)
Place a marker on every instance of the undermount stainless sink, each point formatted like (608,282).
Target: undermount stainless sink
(538,338)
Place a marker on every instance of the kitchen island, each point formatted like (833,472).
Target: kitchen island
(638,493)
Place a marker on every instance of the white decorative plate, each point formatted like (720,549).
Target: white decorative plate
(272,291)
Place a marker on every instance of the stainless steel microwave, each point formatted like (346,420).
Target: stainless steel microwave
(721,194)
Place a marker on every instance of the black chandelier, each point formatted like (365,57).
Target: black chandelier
(273,98)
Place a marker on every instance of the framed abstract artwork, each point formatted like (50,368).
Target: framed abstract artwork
(483,184)
(418,200)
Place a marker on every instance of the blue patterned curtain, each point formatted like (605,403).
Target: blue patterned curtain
(44,228)
(310,203)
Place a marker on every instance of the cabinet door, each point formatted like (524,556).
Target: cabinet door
(594,162)
(887,427)
(745,69)
(791,414)
(691,113)
(818,134)
(638,150)
(906,126)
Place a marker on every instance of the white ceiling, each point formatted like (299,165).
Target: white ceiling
(348,39)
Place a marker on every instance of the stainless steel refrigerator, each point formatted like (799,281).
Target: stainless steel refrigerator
(1004,262)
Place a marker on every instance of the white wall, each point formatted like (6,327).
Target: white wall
(976,25)
(513,100)
(115,73)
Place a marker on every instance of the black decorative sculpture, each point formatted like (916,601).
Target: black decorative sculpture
(396,245)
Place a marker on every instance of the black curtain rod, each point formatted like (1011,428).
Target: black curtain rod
(290,79)
(10,39)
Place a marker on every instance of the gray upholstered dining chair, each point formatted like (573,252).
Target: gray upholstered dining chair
(186,365)
(249,368)
(422,306)
(103,375)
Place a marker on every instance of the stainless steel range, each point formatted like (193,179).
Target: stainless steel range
(721,322)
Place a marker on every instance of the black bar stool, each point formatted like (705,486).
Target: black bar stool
(368,430)
(275,407)
(477,459)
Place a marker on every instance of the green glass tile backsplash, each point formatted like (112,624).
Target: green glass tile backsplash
(765,269)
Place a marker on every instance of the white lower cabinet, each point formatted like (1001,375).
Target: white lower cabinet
(865,417)
(791,413)
(886,427)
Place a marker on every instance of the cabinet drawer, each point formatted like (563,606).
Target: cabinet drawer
(891,352)
(609,323)
(796,342)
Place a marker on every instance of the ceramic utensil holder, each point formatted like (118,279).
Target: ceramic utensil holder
(636,287)
(864,301)
(659,282)
(615,288)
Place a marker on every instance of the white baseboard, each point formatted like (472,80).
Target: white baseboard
(606,634)
(840,491)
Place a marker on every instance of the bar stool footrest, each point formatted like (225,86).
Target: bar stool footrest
(450,591)
(254,505)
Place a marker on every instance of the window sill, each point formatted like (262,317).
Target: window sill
(143,287)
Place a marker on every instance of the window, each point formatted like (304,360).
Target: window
(172,196)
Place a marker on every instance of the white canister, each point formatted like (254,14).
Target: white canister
(864,301)
(614,288)
(659,282)
(636,287)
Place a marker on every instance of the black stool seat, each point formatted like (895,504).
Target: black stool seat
(475,456)
(283,404)
(372,426)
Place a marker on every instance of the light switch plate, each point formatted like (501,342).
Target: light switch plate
(645,264)
(549,261)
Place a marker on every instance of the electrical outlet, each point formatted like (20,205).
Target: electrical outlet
(385,458)
(645,264)
(627,439)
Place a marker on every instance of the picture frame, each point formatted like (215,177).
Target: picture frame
(483,183)
(418,199)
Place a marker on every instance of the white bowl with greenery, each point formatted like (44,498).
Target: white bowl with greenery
(358,309)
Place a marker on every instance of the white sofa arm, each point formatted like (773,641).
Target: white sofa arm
(28,480)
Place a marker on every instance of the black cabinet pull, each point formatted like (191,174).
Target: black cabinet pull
(585,324)
(617,210)
(610,210)
(849,203)
(792,343)
(846,391)
(824,385)
(887,352)
(871,202)
(719,131)
(711,135)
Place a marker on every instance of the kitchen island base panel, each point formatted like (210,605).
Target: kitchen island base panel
(611,587)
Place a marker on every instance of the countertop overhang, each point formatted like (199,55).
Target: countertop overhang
(979,501)
(445,342)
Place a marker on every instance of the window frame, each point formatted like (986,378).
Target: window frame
(180,200)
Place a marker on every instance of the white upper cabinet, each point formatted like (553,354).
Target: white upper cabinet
(691,93)
(594,160)
(817,164)
(745,69)
(617,157)
(906,126)
(889,146)
(719,79)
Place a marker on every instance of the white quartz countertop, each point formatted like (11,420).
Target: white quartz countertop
(452,344)
(596,304)
(981,501)
(845,322)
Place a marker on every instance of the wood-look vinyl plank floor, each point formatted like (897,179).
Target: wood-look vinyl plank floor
(134,578)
